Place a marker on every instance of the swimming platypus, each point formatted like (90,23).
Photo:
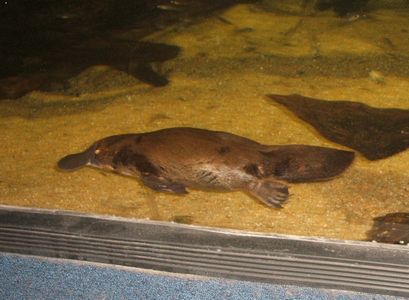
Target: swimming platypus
(173,159)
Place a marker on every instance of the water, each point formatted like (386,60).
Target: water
(229,61)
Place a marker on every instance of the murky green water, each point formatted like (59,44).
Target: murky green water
(229,61)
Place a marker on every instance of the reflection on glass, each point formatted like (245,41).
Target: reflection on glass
(73,74)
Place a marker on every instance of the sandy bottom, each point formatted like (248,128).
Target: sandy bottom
(229,62)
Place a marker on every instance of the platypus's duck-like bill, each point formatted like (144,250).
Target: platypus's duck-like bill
(173,159)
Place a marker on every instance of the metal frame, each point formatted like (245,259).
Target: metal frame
(280,259)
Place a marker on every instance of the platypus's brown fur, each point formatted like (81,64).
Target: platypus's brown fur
(175,158)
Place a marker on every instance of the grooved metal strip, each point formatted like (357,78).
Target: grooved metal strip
(202,259)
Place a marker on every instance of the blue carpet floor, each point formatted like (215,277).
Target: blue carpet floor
(26,277)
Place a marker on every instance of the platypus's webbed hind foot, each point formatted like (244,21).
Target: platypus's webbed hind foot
(270,192)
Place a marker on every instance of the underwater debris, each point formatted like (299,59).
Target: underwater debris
(392,228)
(375,132)
(343,8)
(377,77)
(134,58)
(182,219)
(42,45)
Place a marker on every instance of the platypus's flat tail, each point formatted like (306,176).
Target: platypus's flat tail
(74,161)
(303,163)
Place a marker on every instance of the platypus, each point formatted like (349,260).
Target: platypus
(172,159)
